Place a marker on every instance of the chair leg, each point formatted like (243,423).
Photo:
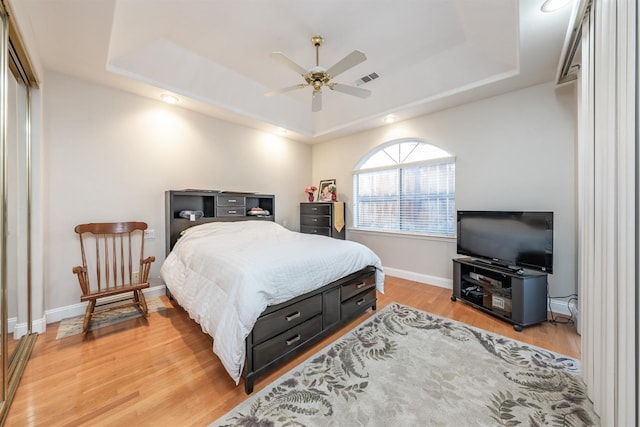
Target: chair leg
(87,315)
(142,302)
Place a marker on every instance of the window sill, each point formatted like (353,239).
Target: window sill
(447,239)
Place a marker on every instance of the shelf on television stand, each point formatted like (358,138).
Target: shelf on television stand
(516,296)
(497,266)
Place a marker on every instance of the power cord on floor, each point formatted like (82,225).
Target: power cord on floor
(555,320)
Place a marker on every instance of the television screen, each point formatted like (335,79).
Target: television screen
(522,239)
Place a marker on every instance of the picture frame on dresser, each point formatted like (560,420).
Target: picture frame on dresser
(324,184)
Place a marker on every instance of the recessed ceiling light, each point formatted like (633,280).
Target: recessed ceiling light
(389,119)
(553,5)
(169,99)
(282,132)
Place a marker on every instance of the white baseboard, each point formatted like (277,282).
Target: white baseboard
(421,278)
(562,307)
(38,326)
(57,314)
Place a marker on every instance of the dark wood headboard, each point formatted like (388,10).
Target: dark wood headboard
(211,206)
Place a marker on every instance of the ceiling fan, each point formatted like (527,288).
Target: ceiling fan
(318,76)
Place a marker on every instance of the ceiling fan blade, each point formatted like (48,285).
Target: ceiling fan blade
(281,58)
(316,101)
(351,90)
(284,89)
(351,60)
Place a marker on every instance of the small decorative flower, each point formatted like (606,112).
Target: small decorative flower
(311,189)
(332,188)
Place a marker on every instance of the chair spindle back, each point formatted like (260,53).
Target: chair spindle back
(115,254)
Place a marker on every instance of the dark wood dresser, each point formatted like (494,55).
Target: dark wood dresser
(324,218)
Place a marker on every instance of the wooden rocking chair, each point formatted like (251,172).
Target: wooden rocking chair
(114,267)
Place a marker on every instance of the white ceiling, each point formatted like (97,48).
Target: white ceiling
(215,54)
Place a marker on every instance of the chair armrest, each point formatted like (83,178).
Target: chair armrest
(146,268)
(81,272)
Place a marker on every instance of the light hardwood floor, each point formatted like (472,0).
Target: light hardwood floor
(161,371)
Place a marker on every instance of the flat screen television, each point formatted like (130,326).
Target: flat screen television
(507,239)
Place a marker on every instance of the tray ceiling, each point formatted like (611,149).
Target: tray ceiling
(215,55)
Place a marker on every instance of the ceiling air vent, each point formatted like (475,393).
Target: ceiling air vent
(366,79)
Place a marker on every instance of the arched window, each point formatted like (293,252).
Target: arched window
(406,186)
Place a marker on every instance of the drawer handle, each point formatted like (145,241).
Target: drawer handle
(233,212)
(231,200)
(314,209)
(293,316)
(360,285)
(360,301)
(315,220)
(293,340)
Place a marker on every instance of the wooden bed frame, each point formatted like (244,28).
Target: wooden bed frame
(282,331)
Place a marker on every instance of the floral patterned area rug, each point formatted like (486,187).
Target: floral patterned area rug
(73,325)
(407,367)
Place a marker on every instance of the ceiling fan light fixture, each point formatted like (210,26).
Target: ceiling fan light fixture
(169,99)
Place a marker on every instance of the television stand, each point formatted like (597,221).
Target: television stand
(516,296)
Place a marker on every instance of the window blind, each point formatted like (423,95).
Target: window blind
(416,198)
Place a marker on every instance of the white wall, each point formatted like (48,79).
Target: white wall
(110,156)
(513,152)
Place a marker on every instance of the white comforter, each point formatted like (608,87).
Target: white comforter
(225,274)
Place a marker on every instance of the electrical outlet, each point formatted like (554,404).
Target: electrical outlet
(150,234)
(135,277)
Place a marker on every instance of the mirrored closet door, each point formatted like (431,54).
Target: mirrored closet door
(17,338)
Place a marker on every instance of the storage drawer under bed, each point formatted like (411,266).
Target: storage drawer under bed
(276,322)
(357,304)
(357,286)
(279,345)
